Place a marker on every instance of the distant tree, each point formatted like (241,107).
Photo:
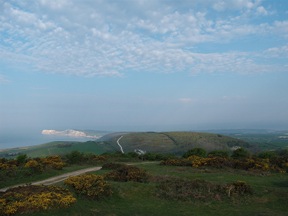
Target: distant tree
(195,151)
(240,153)
(267,154)
(75,157)
(219,153)
(283,153)
(21,159)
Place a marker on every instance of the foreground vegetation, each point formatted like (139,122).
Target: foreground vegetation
(198,183)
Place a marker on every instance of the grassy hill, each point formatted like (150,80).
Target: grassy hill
(158,142)
(172,142)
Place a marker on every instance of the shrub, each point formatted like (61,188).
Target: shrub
(89,185)
(128,173)
(21,159)
(34,165)
(267,154)
(28,199)
(176,162)
(184,190)
(75,157)
(54,162)
(195,151)
(240,153)
(190,190)
(218,153)
(112,166)
(238,188)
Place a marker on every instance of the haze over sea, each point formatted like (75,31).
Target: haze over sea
(12,139)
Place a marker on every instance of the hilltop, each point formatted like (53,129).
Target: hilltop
(171,142)
(158,142)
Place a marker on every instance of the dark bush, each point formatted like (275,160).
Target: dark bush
(112,166)
(75,157)
(267,154)
(238,188)
(240,153)
(176,162)
(190,190)
(195,151)
(128,173)
(219,153)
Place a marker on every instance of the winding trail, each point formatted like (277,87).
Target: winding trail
(56,179)
(120,145)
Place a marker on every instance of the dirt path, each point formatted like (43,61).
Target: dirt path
(120,145)
(56,179)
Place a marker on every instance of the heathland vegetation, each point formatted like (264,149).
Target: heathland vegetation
(202,180)
(198,182)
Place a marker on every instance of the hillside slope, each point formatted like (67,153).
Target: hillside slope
(158,142)
(172,142)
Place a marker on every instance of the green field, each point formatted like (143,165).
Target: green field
(132,198)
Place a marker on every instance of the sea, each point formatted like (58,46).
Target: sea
(12,139)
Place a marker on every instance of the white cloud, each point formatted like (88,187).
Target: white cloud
(262,11)
(56,5)
(281,27)
(235,4)
(185,100)
(109,38)
(281,52)
(3,79)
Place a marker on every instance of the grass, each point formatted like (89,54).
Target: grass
(41,176)
(58,148)
(131,198)
(173,142)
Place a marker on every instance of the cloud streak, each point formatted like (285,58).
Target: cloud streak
(111,38)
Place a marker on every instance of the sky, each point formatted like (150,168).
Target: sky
(143,64)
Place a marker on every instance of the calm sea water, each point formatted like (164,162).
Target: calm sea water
(12,139)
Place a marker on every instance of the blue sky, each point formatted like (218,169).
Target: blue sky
(143,65)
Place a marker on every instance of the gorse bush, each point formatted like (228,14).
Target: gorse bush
(35,166)
(28,199)
(90,185)
(176,162)
(54,162)
(278,164)
(128,173)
